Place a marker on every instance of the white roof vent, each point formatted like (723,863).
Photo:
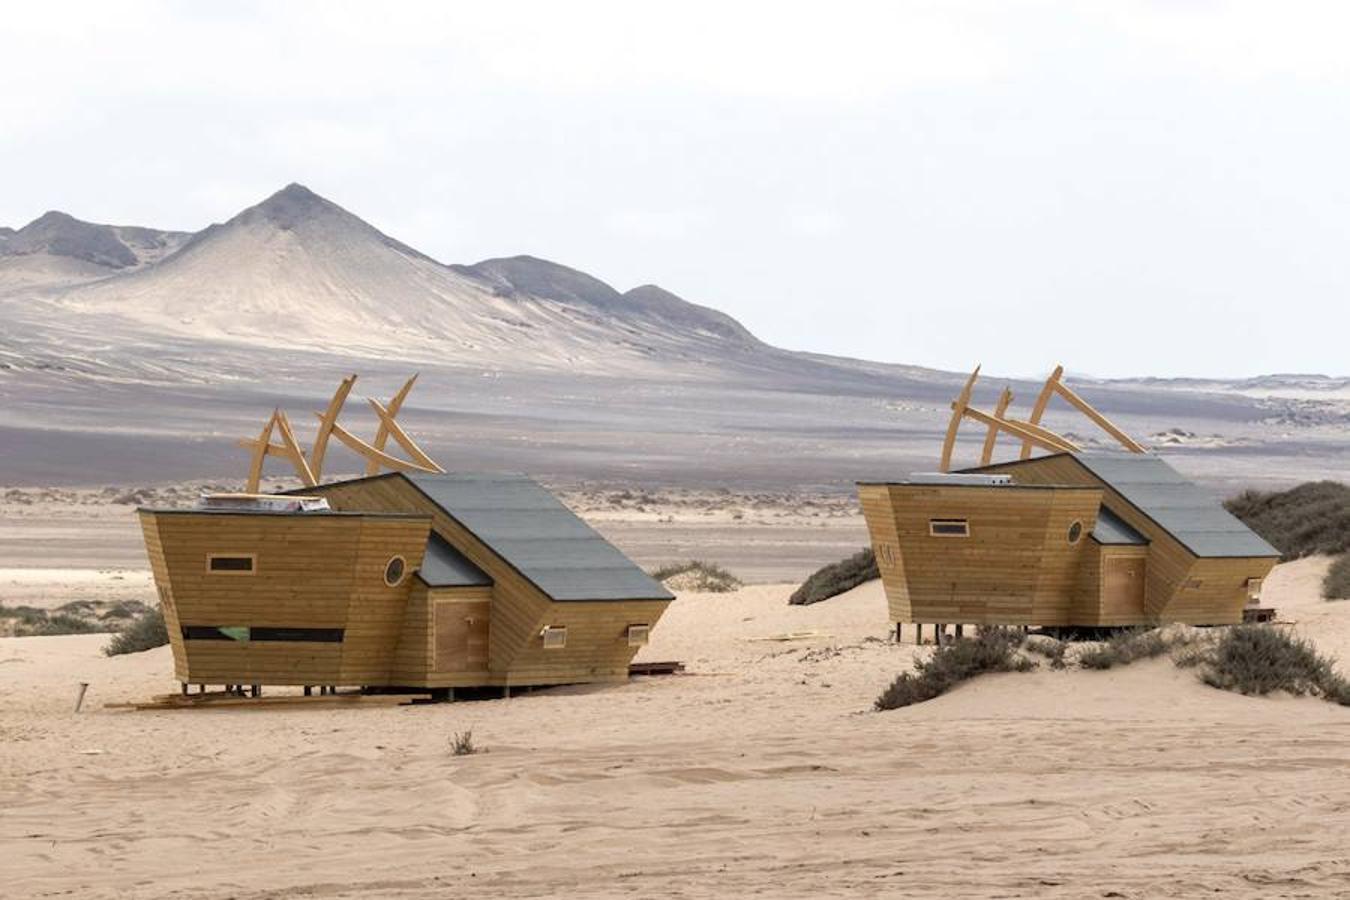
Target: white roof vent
(973,478)
(263,502)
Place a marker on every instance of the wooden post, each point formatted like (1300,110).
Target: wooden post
(899,632)
(79,697)
(308,690)
(184,685)
(254,690)
(959,629)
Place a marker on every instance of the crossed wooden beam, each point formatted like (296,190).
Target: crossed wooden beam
(310,467)
(1031,432)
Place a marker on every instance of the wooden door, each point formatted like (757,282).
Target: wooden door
(1123,586)
(461,636)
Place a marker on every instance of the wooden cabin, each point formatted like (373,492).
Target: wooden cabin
(1069,539)
(431,581)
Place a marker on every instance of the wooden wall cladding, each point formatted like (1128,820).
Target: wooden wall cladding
(313,571)
(1017,566)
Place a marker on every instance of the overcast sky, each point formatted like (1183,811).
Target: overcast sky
(1147,188)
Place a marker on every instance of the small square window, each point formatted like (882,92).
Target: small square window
(638,635)
(948,528)
(555,637)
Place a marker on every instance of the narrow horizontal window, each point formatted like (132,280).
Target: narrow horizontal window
(215,632)
(638,635)
(555,637)
(256,633)
(233,564)
(948,528)
(308,635)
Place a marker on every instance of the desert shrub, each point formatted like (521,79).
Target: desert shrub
(124,609)
(144,633)
(992,650)
(1259,659)
(1336,586)
(23,616)
(1053,650)
(697,575)
(64,623)
(1311,518)
(462,743)
(836,578)
(1124,648)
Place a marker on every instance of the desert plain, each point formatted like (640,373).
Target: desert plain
(762,770)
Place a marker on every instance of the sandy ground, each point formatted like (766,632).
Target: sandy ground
(762,772)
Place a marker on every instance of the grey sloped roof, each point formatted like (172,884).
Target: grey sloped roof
(1112,529)
(444,566)
(1177,505)
(539,537)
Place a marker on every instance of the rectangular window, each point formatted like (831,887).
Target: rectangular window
(307,635)
(948,528)
(1253,589)
(255,633)
(215,632)
(555,637)
(231,563)
(638,635)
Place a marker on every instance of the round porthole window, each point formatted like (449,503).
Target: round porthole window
(393,571)
(1075,532)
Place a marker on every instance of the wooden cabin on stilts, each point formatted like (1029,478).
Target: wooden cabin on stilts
(1070,539)
(414,578)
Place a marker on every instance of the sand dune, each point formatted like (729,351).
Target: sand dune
(761,773)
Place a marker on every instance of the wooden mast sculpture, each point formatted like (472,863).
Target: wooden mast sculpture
(1030,431)
(310,467)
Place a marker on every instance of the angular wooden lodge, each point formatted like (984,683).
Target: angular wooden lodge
(1069,539)
(417,580)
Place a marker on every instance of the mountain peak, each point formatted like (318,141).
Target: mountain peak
(292,206)
(61,234)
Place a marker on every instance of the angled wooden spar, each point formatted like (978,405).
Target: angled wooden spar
(958,412)
(1102,421)
(1042,401)
(989,439)
(260,446)
(1055,385)
(382,435)
(326,422)
(1040,437)
(357,445)
(293,450)
(401,437)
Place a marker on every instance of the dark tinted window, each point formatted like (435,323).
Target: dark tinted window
(231,564)
(312,635)
(257,633)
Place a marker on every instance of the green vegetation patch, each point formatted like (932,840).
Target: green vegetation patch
(697,575)
(144,633)
(836,578)
(1311,518)
(992,650)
